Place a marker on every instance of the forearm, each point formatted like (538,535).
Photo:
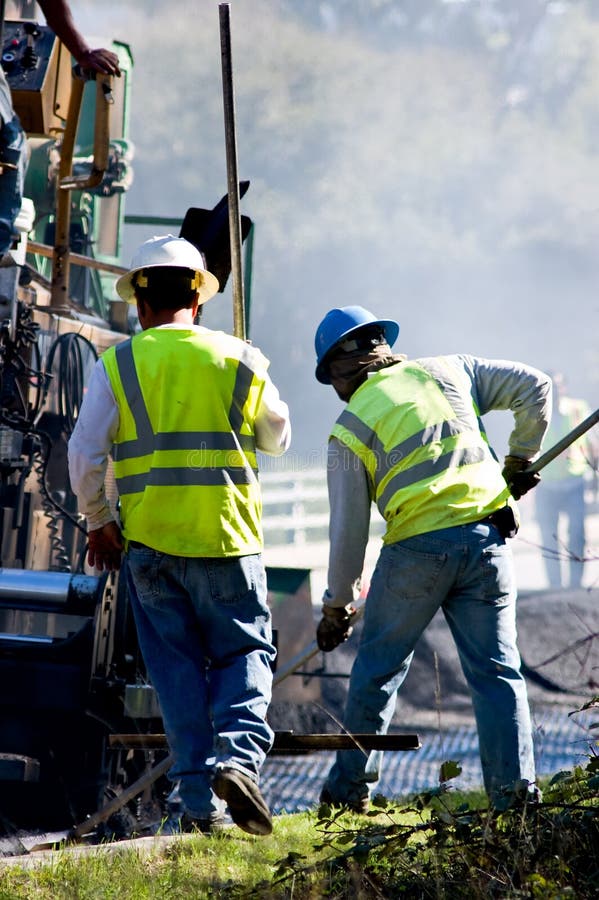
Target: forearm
(89,448)
(87,481)
(349,501)
(60,19)
(272,426)
(522,389)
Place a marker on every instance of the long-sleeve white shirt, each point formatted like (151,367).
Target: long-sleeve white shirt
(97,425)
(495,385)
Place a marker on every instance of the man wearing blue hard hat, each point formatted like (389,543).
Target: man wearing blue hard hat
(411,439)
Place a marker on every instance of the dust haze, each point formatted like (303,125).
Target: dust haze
(434,161)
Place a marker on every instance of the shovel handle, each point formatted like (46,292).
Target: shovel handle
(564,443)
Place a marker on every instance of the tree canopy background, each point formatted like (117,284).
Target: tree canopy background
(432,160)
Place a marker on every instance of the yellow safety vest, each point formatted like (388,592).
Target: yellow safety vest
(416,429)
(574,462)
(185,453)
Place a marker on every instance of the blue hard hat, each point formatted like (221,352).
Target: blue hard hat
(339,324)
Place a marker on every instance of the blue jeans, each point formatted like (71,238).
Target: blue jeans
(555,499)
(466,571)
(205,634)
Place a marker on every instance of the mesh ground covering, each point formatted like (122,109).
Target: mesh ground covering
(292,783)
(559,642)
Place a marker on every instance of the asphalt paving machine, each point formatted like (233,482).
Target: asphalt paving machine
(71,674)
(70,669)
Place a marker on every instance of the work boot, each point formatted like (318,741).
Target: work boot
(246,804)
(361,805)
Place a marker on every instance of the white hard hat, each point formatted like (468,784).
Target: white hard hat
(168,250)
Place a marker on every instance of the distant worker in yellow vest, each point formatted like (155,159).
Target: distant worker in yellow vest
(561,498)
(411,439)
(182,411)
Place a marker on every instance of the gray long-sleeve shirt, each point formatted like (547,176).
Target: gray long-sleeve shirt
(495,385)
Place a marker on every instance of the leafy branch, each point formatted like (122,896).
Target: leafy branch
(434,844)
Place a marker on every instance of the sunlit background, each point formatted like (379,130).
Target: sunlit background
(434,161)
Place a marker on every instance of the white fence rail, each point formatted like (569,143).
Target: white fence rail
(296,518)
(296,508)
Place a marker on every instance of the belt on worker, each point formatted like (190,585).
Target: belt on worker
(138,546)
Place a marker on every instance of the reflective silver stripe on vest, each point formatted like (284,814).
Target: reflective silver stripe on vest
(430,468)
(363,432)
(147,442)
(184,477)
(388,459)
(144,442)
(241,390)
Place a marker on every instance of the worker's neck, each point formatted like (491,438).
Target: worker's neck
(150,319)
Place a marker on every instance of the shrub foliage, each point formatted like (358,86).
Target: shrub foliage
(437,845)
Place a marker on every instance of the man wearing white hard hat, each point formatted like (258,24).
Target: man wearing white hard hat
(182,411)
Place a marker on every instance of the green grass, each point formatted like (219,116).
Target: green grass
(441,844)
(190,866)
(229,863)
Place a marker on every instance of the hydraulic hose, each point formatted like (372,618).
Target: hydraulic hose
(67,355)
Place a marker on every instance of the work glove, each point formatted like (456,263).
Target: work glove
(518,480)
(105,547)
(335,626)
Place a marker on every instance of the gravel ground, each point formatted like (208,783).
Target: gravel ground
(559,644)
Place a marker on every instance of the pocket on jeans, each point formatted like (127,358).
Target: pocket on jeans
(144,565)
(233,580)
(413,571)
(498,582)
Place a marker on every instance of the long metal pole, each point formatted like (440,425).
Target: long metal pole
(289,740)
(117,803)
(2,12)
(224,10)
(146,780)
(564,443)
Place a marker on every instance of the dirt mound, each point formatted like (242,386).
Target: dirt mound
(559,643)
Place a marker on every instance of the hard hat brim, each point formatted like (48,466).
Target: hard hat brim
(124,286)
(389,326)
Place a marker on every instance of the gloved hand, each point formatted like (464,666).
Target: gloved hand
(335,626)
(519,481)
(105,547)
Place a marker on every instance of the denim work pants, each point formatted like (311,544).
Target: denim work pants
(204,630)
(467,571)
(562,554)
